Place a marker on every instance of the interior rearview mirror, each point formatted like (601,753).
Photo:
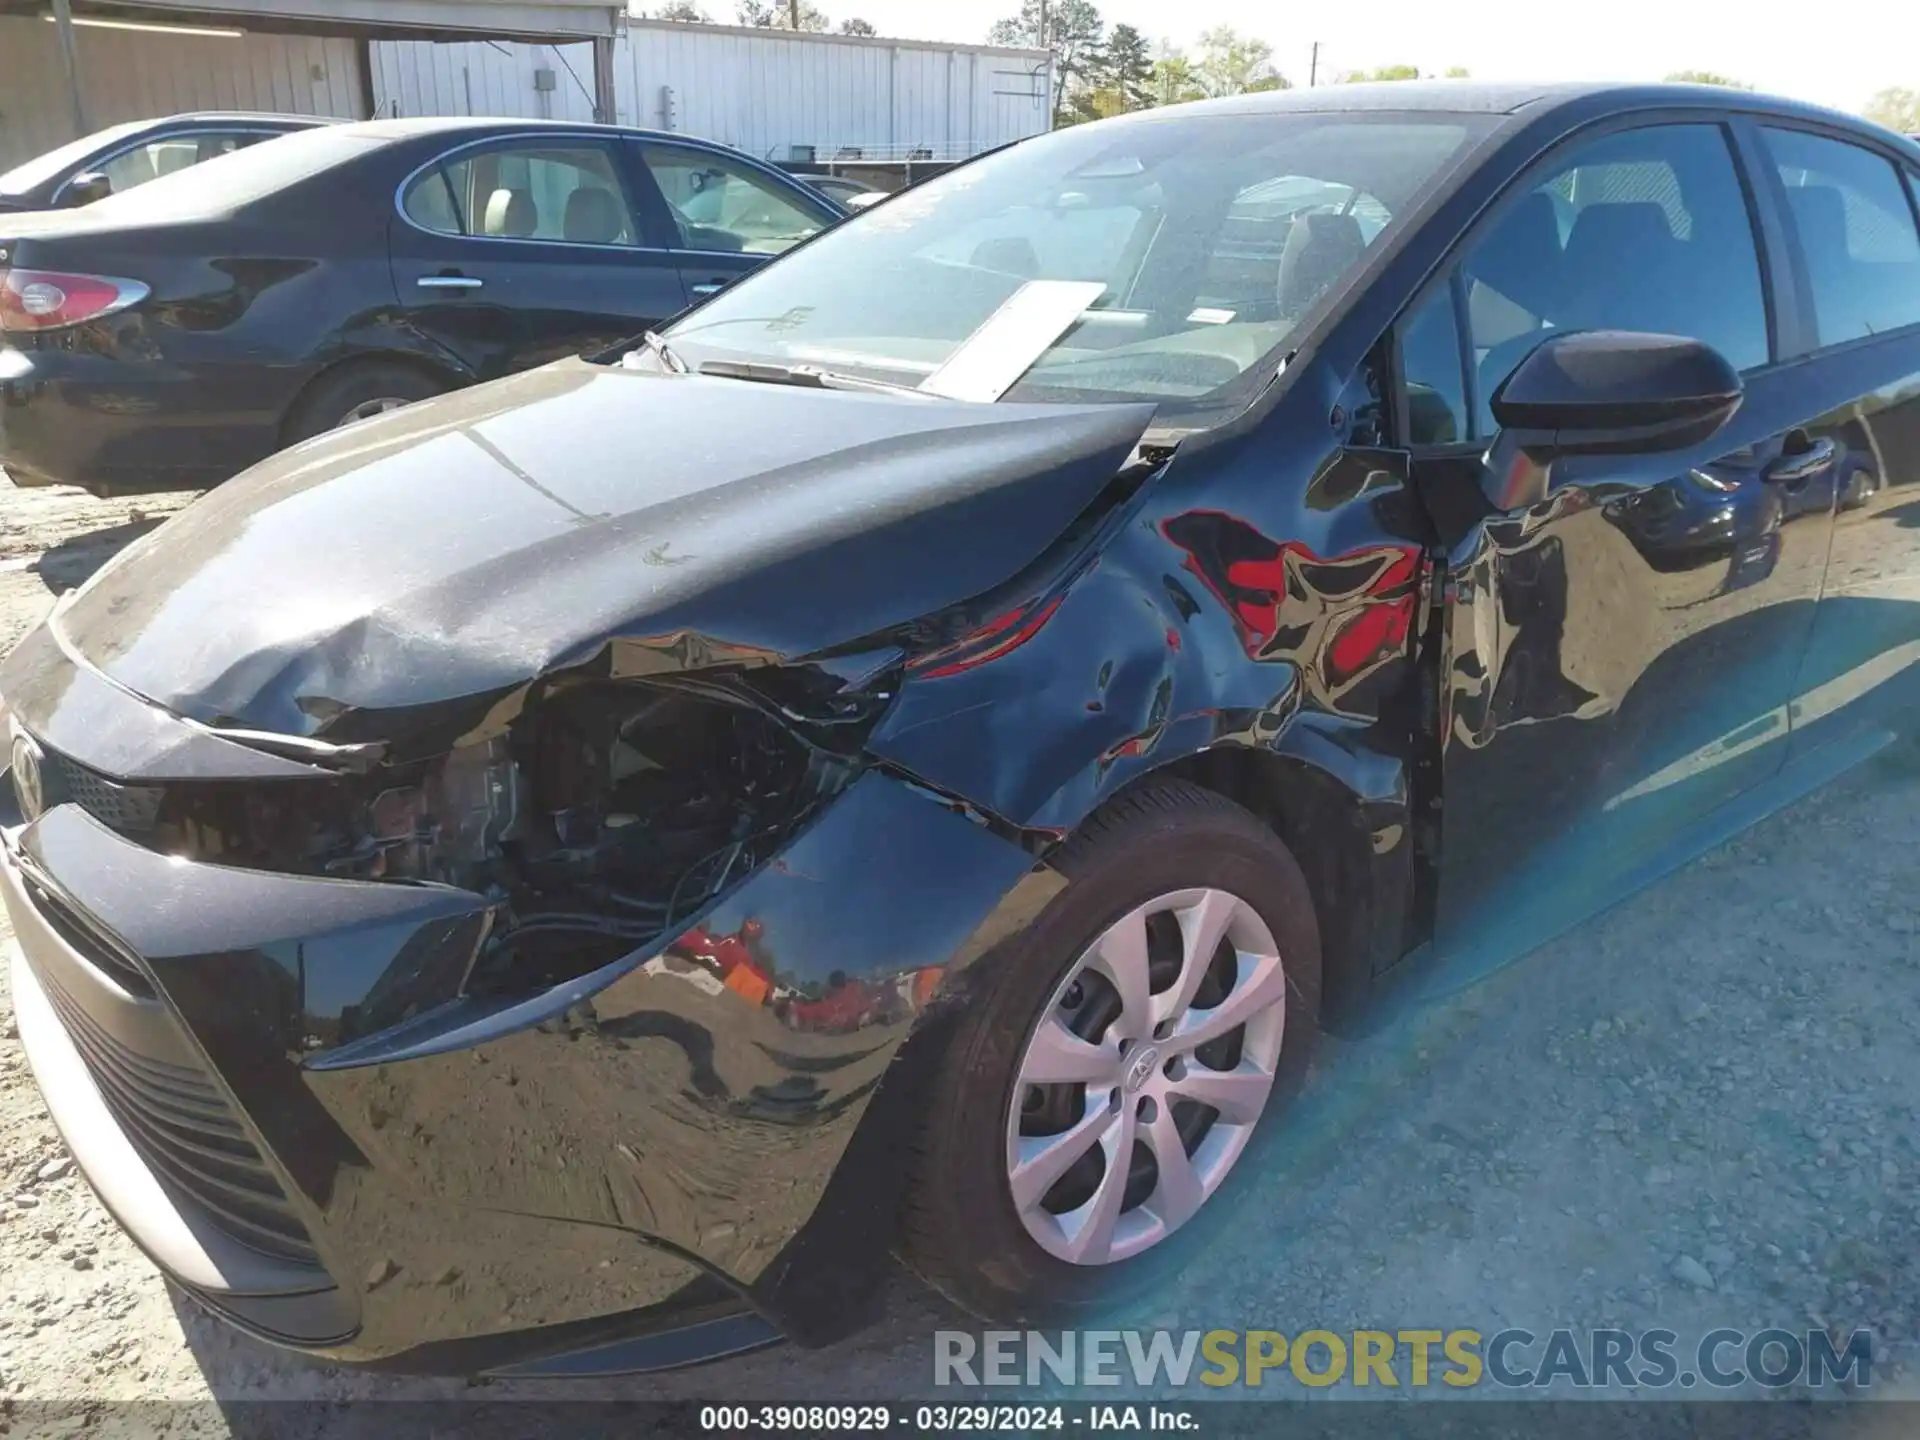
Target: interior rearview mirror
(1604,392)
(87,187)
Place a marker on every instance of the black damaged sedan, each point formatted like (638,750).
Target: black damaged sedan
(572,876)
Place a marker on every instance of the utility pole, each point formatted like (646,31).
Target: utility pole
(1313,66)
(1046,44)
(793,15)
(63,17)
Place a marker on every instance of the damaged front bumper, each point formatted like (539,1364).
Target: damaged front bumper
(656,1163)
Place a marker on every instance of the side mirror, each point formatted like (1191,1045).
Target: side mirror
(86,187)
(1604,392)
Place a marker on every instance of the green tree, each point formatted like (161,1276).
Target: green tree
(1174,82)
(857,26)
(1126,68)
(1384,72)
(1706,77)
(1074,33)
(1458,72)
(778,15)
(1897,107)
(685,11)
(1231,63)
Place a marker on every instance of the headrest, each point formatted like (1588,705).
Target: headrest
(595,216)
(1320,249)
(511,213)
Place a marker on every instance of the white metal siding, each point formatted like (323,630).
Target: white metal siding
(418,77)
(765,91)
(138,75)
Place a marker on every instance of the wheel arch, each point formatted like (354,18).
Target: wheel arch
(1355,850)
(430,368)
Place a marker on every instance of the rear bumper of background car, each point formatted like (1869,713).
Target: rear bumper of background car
(74,418)
(277,1087)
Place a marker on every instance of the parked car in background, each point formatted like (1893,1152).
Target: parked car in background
(854,194)
(172,336)
(909,757)
(124,157)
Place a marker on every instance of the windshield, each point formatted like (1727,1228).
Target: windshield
(55,163)
(228,182)
(1159,259)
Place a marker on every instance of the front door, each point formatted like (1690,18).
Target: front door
(526,250)
(1618,658)
(729,218)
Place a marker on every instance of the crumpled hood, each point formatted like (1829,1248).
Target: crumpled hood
(462,547)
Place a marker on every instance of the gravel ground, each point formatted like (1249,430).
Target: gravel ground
(1697,1111)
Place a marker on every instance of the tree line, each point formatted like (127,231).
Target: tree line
(765,14)
(1099,72)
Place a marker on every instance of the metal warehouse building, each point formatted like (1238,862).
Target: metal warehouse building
(773,93)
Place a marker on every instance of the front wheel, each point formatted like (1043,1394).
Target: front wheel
(1097,1097)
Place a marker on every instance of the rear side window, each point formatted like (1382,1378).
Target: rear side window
(566,193)
(1856,229)
(156,158)
(1643,230)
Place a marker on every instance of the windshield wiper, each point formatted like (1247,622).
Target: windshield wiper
(662,352)
(808,376)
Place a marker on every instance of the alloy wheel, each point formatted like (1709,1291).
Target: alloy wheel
(367,409)
(1142,1083)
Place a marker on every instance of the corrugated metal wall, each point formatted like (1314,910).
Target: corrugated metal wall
(136,75)
(483,78)
(763,91)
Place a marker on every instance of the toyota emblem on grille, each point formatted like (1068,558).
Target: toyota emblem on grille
(29,783)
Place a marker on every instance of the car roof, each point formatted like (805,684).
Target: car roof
(249,117)
(1480,97)
(417,125)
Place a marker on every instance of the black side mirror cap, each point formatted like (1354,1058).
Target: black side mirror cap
(86,187)
(1604,392)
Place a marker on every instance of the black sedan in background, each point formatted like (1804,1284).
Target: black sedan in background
(171,337)
(125,157)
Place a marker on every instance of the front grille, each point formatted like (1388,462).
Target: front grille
(130,809)
(102,954)
(183,1127)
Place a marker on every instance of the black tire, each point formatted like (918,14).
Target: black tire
(960,1231)
(332,399)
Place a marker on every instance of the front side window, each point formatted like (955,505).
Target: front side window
(534,191)
(1856,230)
(720,206)
(1189,249)
(1431,366)
(1643,230)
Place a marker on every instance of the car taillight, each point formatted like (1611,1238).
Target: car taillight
(53,299)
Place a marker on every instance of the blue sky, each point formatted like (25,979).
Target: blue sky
(1838,54)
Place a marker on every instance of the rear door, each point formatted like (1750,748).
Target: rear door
(1855,247)
(521,250)
(727,217)
(1619,657)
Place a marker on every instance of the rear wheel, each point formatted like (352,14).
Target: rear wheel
(358,392)
(1097,1097)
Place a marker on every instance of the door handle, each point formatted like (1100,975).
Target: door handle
(712,287)
(449,282)
(1803,463)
